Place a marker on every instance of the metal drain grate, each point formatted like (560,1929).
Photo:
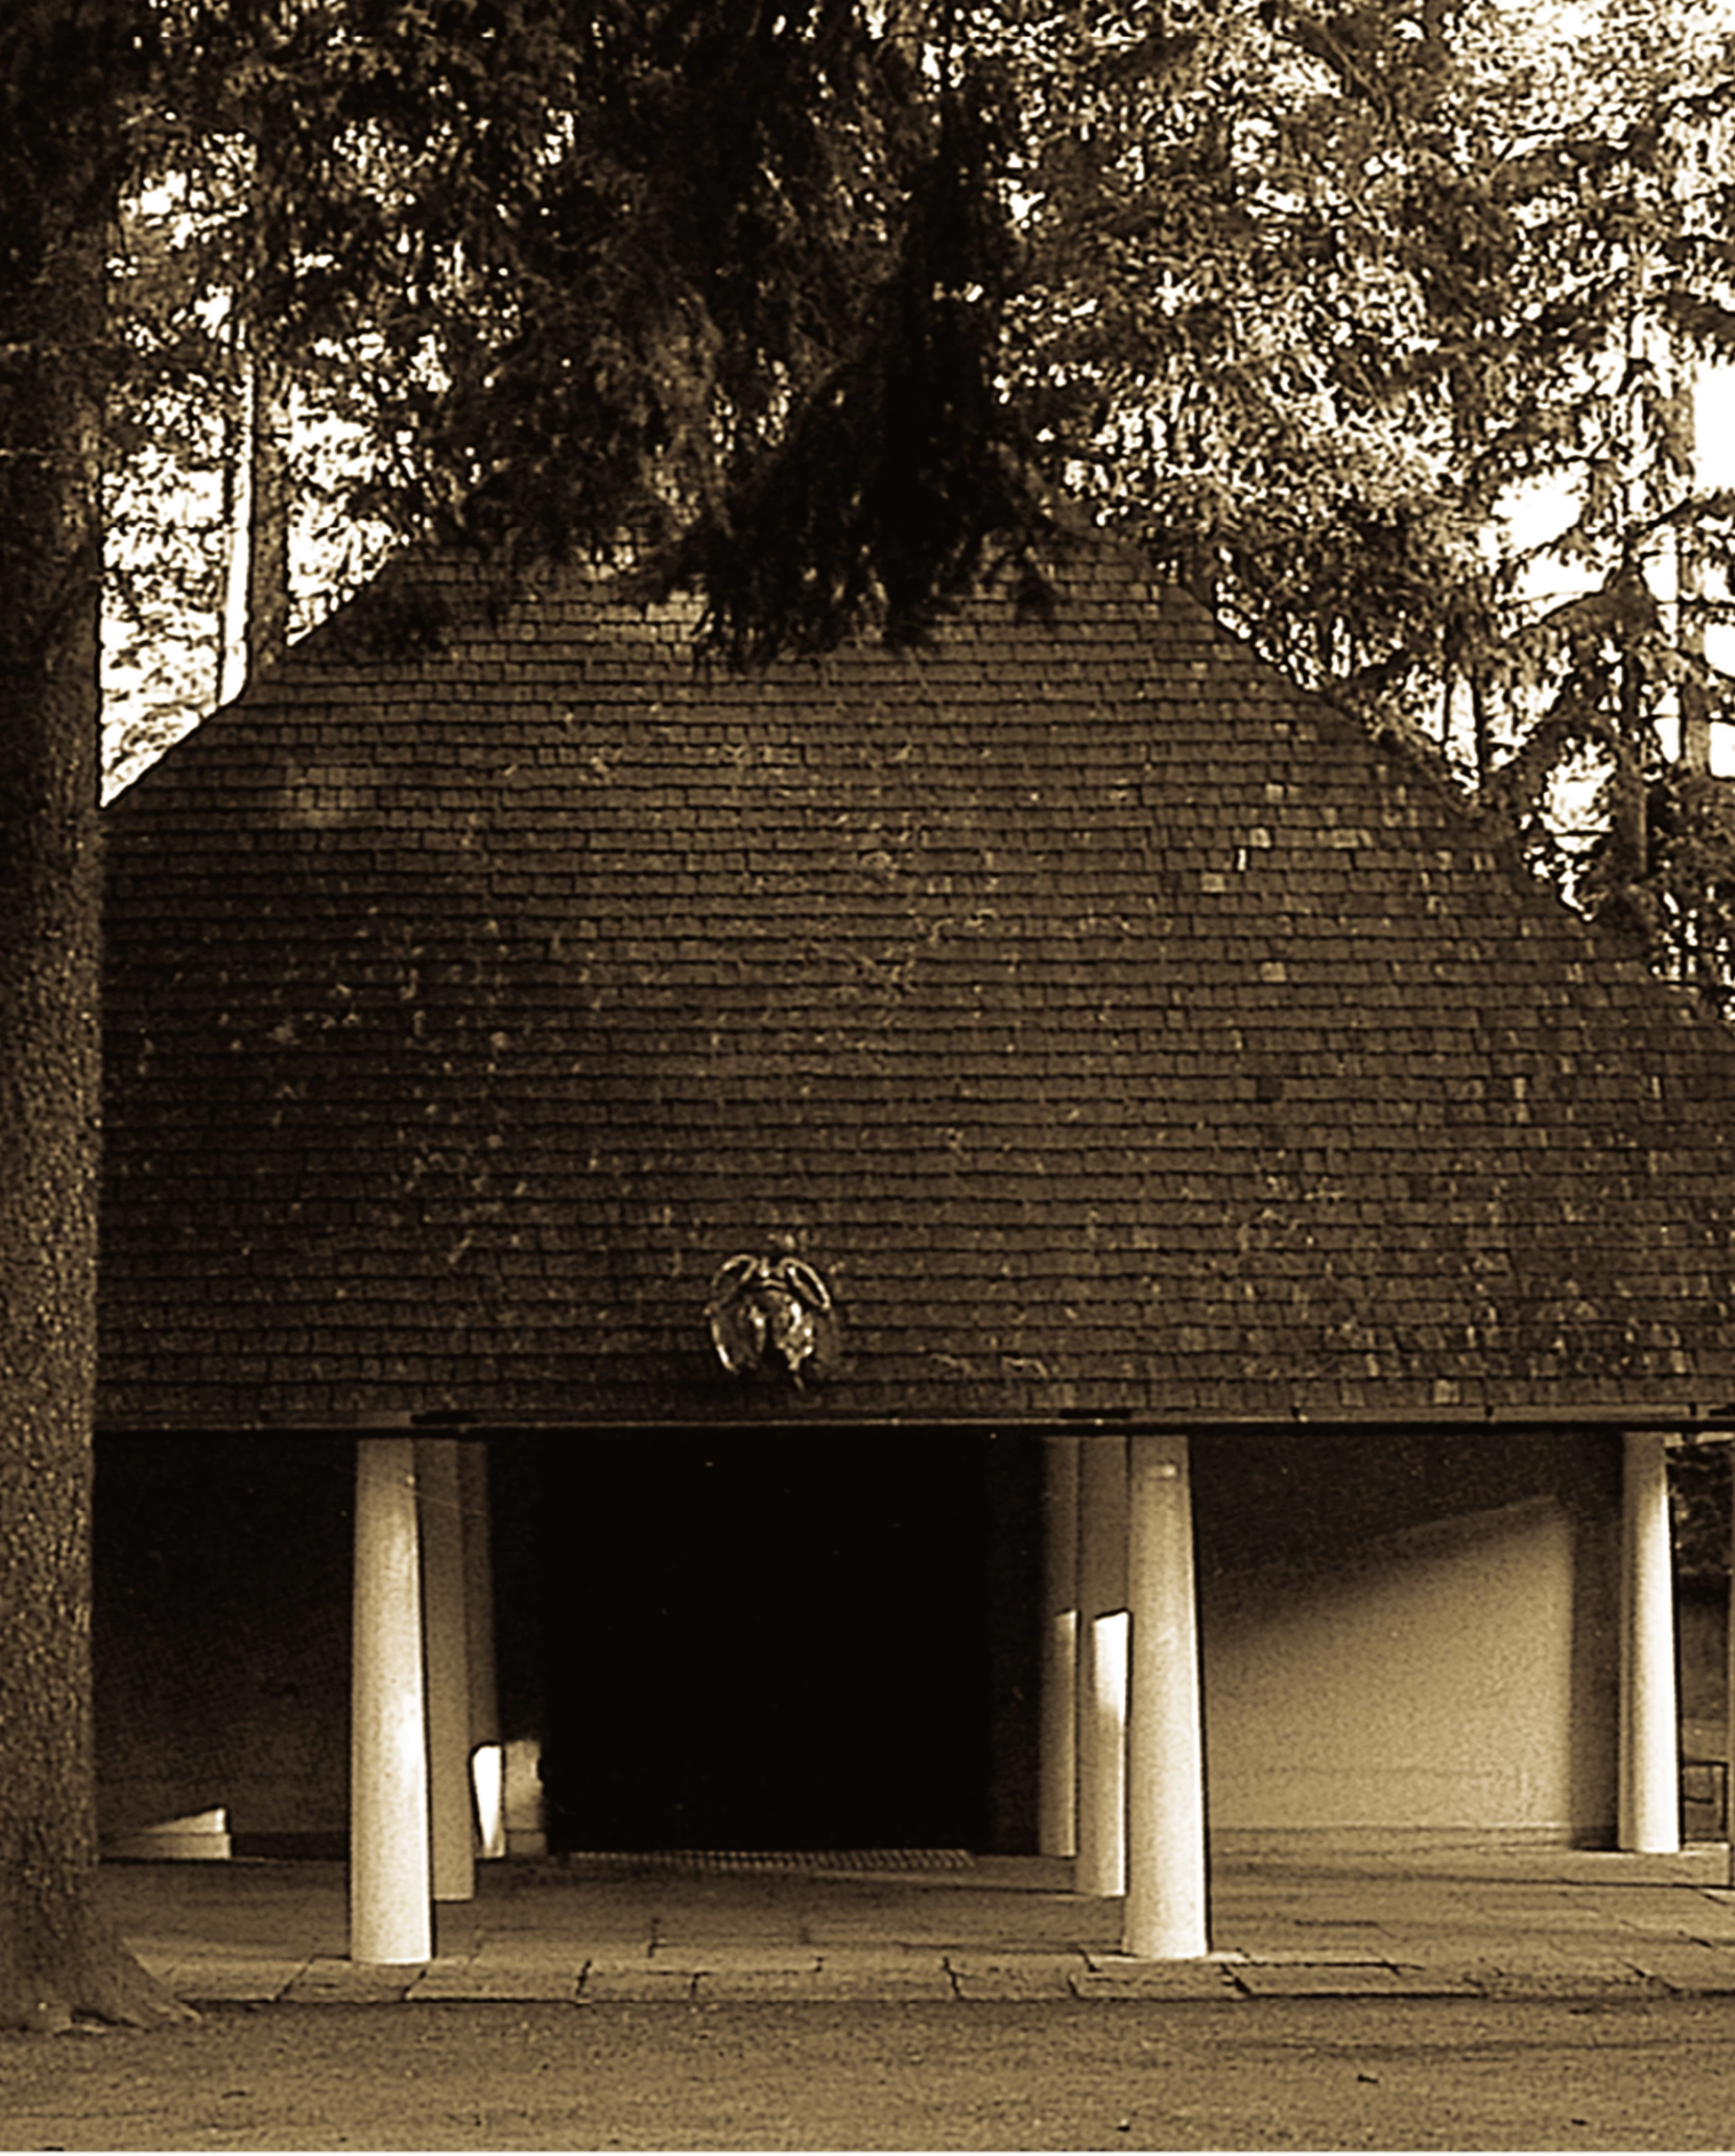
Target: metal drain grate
(767,1860)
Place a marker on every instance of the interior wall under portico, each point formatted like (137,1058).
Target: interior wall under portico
(1410,1635)
(1399,1633)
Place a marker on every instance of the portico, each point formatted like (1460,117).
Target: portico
(409,1851)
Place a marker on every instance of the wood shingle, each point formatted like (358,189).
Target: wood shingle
(1117,1029)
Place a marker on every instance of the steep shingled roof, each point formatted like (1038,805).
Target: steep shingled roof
(1115,1027)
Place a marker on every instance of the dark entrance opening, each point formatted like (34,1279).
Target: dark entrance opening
(766,1640)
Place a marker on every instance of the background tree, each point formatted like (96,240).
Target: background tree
(726,275)
(229,478)
(1304,298)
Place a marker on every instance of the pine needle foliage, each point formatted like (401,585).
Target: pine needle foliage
(721,280)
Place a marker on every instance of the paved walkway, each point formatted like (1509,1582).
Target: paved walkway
(1474,1922)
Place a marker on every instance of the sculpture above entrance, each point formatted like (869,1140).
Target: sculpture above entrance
(773,1316)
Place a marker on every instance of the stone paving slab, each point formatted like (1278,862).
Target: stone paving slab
(1605,1949)
(533,1950)
(674,1926)
(1500,1925)
(237,1978)
(1564,1914)
(1707,1917)
(641,1983)
(831,1977)
(1514,1985)
(1014,1976)
(1261,1979)
(1662,1907)
(541,1977)
(1687,1965)
(765,1984)
(1118,1976)
(875,1975)
(750,1959)
(328,1981)
(1364,1956)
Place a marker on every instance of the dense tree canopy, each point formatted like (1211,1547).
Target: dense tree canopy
(725,276)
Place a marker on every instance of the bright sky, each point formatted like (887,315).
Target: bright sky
(1716,468)
(1717,426)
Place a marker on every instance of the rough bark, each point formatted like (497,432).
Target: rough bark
(268,567)
(59,1959)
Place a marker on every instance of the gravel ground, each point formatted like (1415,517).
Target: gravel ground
(1278,2074)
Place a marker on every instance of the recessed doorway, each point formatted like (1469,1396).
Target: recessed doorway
(767,1640)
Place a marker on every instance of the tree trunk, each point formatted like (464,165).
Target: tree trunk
(268,568)
(58,1958)
(1483,731)
(253,631)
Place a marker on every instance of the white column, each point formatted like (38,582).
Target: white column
(487,1757)
(1100,1867)
(1057,1819)
(1650,1738)
(390,1917)
(1729,1705)
(1166,1862)
(451,1820)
